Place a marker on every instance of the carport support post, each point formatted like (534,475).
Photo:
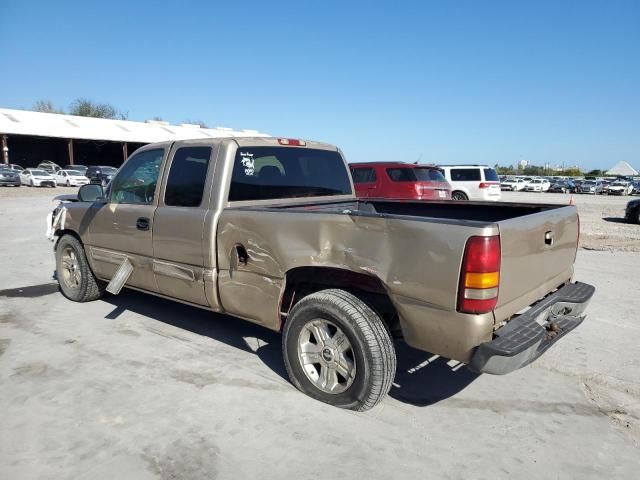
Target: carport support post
(125,151)
(5,150)
(70,147)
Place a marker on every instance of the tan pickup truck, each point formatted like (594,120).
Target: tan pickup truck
(269,230)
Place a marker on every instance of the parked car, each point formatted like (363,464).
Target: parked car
(514,184)
(472,182)
(35,177)
(70,178)
(399,180)
(562,186)
(49,166)
(15,166)
(620,188)
(537,185)
(590,186)
(78,168)
(9,177)
(100,174)
(636,188)
(270,230)
(632,212)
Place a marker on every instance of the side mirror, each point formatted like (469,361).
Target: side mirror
(90,192)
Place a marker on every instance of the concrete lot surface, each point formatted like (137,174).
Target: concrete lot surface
(135,387)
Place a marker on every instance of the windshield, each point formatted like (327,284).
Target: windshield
(109,170)
(39,172)
(73,173)
(264,173)
(588,184)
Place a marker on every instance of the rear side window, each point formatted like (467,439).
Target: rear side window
(185,185)
(490,175)
(429,175)
(401,174)
(363,175)
(265,173)
(465,174)
(413,174)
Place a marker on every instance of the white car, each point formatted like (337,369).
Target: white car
(538,185)
(35,177)
(515,184)
(70,178)
(620,188)
(472,182)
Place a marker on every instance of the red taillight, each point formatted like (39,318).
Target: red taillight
(292,142)
(480,275)
(486,184)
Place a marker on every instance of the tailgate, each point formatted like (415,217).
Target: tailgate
(538,252)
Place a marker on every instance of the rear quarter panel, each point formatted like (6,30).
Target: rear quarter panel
(417,261)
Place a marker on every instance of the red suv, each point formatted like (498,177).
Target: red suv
(399,180)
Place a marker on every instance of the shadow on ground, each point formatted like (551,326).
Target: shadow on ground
(422,379)
(614,219)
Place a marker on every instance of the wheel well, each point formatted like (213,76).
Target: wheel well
(62,233)
(303,281)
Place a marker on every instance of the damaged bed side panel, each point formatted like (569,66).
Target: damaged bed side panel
(417,264)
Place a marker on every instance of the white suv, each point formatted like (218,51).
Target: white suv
(472,182)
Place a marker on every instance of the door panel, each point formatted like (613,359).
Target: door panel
(177,234)
(123,226)
(178,230)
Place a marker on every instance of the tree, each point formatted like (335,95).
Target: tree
(595,173)
(196,122)
(46,106)
(83,107)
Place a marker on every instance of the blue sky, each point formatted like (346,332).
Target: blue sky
(443,81)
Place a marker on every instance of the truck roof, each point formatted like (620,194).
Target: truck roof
(391,164)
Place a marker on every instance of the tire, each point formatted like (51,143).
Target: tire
(366,347)
(77,281)
(635,216)
(459,196)
(68,183)
(31,184)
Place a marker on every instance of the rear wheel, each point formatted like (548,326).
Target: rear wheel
(337,350)
(635,216)
(457,195)
(77,281)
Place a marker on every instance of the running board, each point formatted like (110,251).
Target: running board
(120,278)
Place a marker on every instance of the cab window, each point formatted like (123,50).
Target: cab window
(185,185)
(137,180)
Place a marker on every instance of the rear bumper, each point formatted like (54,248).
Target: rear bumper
(525,338)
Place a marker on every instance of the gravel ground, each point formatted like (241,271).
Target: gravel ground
(137,387)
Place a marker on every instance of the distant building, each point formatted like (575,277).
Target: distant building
(28,138)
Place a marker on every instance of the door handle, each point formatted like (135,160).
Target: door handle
(142,223)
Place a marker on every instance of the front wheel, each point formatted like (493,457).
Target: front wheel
(459,196)
(77,281)
(337,350)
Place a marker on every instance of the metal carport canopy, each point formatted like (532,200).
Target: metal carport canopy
(23,122)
